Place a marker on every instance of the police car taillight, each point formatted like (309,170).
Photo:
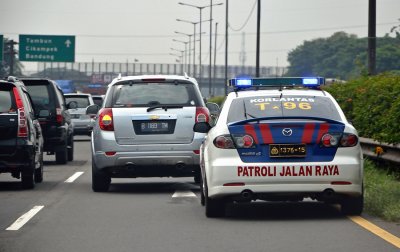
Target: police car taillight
(341,140)
(106,119)
(202,114)
(329,140)
(348,140)
(245,141)
(224,142)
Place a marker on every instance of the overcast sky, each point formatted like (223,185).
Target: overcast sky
(125,30)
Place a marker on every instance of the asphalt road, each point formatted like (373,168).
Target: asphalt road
(164,214)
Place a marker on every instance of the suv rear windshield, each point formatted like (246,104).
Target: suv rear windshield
(83,101)
(286,106)
(150,94)
(40,96)
(6,100)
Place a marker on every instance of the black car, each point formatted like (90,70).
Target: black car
(21,140)
(53,115)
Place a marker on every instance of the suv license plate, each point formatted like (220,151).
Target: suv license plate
(147,127)
(287,150)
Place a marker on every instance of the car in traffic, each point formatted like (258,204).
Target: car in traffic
(145,129)
(21,139)
(83,123)
(280,139)
(54,118)
(98,100)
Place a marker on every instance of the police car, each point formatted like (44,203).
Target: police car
(280,139)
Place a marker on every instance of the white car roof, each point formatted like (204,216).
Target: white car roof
(160,76)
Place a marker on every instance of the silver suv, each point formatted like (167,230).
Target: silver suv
(145,129)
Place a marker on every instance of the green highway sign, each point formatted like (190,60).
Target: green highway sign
(47,48)
(1,48)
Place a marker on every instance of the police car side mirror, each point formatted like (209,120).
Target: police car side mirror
(201,127)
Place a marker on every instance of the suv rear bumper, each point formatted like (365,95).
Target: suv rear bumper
(18,160)
(147,160)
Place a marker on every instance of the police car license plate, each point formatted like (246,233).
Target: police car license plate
(287,150)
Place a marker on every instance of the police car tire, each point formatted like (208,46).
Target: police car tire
(202,198)
(353,205)
(214,207)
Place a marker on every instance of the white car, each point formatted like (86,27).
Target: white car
(83,123)
(275,141)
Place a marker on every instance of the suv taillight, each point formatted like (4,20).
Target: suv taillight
(22,124)
(202,114)
(59,116)
(106,119)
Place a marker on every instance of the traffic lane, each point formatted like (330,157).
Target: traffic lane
(15,201)
(141,215)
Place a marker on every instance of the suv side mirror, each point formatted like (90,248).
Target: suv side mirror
(201,127)
(213,108)
(92,109)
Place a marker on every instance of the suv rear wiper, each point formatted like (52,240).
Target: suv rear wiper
(165,107)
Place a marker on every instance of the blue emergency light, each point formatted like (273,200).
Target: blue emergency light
(309,82)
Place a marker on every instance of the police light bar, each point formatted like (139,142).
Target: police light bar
(311,82)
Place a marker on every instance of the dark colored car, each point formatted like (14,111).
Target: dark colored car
(52,112)
(21,140)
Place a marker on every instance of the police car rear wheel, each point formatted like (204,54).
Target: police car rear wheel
(214,207)
(202,198)
(353,205)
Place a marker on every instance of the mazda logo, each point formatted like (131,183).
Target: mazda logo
(287,132)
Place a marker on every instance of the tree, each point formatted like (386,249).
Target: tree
(9,52)
(342,56)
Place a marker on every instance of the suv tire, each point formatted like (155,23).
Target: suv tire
(28,176)
(100,180)
(71,149)
(39,171)
(61,155)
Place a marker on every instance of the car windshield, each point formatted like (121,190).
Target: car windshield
(150,94)
(82,101)
(39,94)
(5,101)
(286,106)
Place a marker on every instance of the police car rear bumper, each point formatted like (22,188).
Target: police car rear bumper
(343,175)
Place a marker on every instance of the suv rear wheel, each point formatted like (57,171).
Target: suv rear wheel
(100,180)
(28,176)
(61,155)
(71,149)
(39,171)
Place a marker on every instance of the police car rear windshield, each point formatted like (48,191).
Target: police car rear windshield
(150,94)
(286,106)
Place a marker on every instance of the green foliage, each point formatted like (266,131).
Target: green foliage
(342,56)
(382,193)
(217,99)
(372,104)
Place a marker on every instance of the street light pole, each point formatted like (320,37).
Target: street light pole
(200,9)
(190,47)
(194,41)
(186,54)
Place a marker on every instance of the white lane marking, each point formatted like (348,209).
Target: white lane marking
(24,218)
(184,194)
(73,177)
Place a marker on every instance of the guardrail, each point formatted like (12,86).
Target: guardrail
(382,151)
